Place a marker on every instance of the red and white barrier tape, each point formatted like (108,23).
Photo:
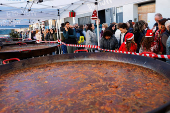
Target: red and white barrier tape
(48,41)
(115,51)
(16,38)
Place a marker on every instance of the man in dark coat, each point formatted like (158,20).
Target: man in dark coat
(70,37)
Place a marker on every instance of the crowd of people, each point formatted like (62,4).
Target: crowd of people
(132,37)
(44,35)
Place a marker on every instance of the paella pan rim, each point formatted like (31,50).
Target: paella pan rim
(150,63)
(153,64)
(51,46)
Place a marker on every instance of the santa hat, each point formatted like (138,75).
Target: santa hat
(149,33)
(94,15)
(133,23)
(129,36)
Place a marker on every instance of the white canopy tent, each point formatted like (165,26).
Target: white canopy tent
(18,9)
(30,11)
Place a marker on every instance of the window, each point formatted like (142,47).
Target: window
(84,20)
(119,9)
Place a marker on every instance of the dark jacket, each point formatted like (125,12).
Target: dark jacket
(62,29)
(42,37)
(70,36)
(110,28)
(47,37)
(80,32)
(1,43)
(156,25)
(138,37)
(110,44)
(164,39)
(51,36)
(32,35)
(130,30)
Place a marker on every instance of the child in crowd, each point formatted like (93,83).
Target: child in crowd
(129,45)
(147,43)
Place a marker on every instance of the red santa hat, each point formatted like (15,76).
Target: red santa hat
(94,15)
(149,33)
(129,36)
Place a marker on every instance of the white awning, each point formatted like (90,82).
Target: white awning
(18,9)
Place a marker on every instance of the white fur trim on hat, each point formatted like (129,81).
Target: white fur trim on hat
(130,38)
(148,36)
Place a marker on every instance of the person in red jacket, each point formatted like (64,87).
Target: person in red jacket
(129,45)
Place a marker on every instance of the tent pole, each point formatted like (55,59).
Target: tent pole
(96,3)
(59,32)
(57,28)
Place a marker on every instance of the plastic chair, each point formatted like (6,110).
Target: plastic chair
(83,50)
(12,59)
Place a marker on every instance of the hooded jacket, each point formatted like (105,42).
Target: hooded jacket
(91,38)
(110,28)
(110,44)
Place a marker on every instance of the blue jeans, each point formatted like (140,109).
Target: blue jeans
(168,49)
(64,49)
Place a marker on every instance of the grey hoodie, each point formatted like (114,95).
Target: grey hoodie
(91,38)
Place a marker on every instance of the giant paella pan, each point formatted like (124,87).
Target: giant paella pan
(23,50)
(9,43)
(85,83)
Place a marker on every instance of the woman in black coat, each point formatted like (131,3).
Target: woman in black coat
(139,33)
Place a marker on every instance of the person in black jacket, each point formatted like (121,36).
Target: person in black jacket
(62,38)
(47,37)
(70,37)
(32,35)
(139,33)
(165,36)
(108,41)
